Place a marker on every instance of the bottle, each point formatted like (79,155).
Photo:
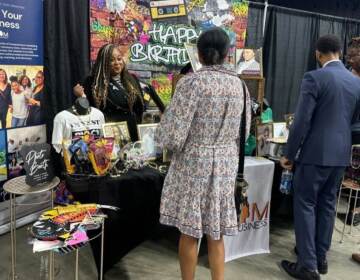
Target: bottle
(286,182)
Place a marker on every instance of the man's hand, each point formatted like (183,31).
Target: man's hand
(79,91)
(286,164)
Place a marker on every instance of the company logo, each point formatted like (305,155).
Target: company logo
(253,216)
(4,35)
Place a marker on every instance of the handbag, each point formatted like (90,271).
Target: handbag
(241,185)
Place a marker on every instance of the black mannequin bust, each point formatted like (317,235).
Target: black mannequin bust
(81,106)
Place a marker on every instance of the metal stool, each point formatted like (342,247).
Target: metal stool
(353,187)
(17,186)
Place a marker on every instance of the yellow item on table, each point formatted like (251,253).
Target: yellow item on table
(60,210)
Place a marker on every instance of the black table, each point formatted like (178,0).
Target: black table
(137,194)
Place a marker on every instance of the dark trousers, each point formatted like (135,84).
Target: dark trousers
(315,189)
(3,115)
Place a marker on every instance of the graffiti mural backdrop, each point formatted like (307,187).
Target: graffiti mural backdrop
(152,34)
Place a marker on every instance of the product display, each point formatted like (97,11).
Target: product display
(62,228)
(69,126)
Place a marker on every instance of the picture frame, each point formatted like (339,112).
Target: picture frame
(192,52)
(256,87)
(264,133)
(119,131)
(249,62)
(280,130)
(151,116)
(146,134)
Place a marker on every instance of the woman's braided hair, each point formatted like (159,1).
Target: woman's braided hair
(101,73)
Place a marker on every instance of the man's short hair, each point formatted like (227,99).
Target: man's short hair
(328,44)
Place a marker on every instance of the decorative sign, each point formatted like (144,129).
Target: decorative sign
(37,164)
(152,33)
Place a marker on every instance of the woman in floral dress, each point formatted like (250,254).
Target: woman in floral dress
(201,126)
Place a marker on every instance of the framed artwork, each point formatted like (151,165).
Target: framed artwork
(264,132)
(146,134)
(151,116)
(249,62)
(119,131)
(192,52)
(280,130)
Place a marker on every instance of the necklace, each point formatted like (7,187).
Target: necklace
(85,122)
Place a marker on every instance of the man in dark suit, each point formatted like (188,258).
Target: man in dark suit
(319,147)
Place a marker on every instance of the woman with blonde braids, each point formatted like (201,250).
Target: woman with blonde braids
(113,90)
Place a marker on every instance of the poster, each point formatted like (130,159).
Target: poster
(152,34)
(21,60)
(21,93)
(16,139)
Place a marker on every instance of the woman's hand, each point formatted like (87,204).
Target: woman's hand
(33,102)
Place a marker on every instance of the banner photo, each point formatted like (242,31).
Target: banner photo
(21,91)
(153,34)
(254,226)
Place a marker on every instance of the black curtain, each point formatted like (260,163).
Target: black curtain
(254,32)
(289,52)
(67,56)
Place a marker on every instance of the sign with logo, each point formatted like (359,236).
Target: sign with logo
(37,164)
(254,220)
(21,100)
(21,36)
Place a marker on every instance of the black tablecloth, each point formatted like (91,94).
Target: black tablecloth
(137,194)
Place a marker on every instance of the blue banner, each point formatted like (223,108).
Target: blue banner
(21,32)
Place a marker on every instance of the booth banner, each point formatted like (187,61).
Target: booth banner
(152,34)
(253,236)
(21,93)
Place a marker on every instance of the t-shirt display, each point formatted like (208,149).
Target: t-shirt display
(68,126)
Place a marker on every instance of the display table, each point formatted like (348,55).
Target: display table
(137,194)
(253,237)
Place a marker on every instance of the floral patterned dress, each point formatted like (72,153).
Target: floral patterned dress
(201,127)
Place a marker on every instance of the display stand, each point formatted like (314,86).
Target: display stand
(17,186)
(102,235)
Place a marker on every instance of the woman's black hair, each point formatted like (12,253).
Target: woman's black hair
(186,69)
(213,46)
(14,79)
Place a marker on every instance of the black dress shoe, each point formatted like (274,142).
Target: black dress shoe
(299,272)
(323,267)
